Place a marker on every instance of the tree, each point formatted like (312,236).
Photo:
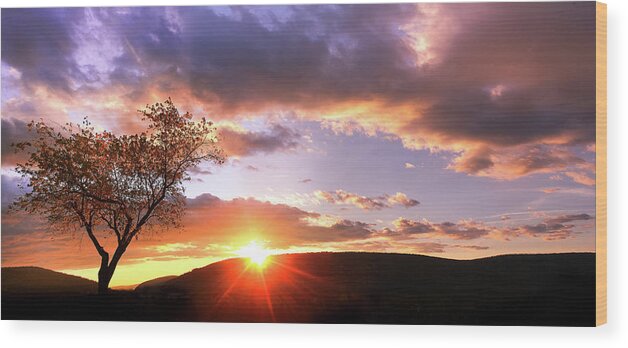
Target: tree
(108,185)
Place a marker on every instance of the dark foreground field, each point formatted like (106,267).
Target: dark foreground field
(556,289)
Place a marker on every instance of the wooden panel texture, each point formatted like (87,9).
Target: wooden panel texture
(600,164)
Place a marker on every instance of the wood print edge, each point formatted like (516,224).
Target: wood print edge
(600,164)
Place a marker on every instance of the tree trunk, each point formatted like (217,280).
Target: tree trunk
(104,276)
(107,268)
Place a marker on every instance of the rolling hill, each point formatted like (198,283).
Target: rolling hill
(394,288)
(153,284)
(38,281)
(552,289)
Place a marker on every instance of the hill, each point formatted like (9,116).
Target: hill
(552,289)
(36,280)
(153,284)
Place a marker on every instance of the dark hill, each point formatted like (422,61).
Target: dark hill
(39,281)
(553,289)
(153,284)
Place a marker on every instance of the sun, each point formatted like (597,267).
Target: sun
(256,252)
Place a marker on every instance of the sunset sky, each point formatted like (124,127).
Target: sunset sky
(453,130)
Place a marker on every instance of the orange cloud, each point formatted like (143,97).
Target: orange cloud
(208,221)
(214,228)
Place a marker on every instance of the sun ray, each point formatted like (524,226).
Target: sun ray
(233,285)
(256,252)
(269,302)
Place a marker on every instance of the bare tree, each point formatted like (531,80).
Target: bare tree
(114,185)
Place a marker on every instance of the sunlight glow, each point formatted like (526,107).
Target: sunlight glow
(256,252)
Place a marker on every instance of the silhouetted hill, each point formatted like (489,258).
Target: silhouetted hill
(39,281)
(153,284)
(553,289)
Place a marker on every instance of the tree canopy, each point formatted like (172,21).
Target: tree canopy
(108,184)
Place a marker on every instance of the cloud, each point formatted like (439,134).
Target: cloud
(246,143)
(552,228)
(14,131)
(208,220)
(200,171)
(464,230)
(366,203)
(569,218)
(520,161)
(10,191)
(347,229)
(581,178)
(401,199)
(343,197)
(172,247)
(41,53)
(486,82)
(544,230)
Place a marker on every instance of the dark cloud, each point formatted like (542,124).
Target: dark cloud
(542,58)
(317,53)
(348,229)
(522,160)
(13,131)
(545,230)
(551,228)
(538,158)
(474,162)
(10,191)
(517,117)
(410,227)
(245,143)
(569,218)
(505,78)
(39,43)
(462,230)
(200,171)
(516,74)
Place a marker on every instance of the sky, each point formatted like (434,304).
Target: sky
(451,130)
